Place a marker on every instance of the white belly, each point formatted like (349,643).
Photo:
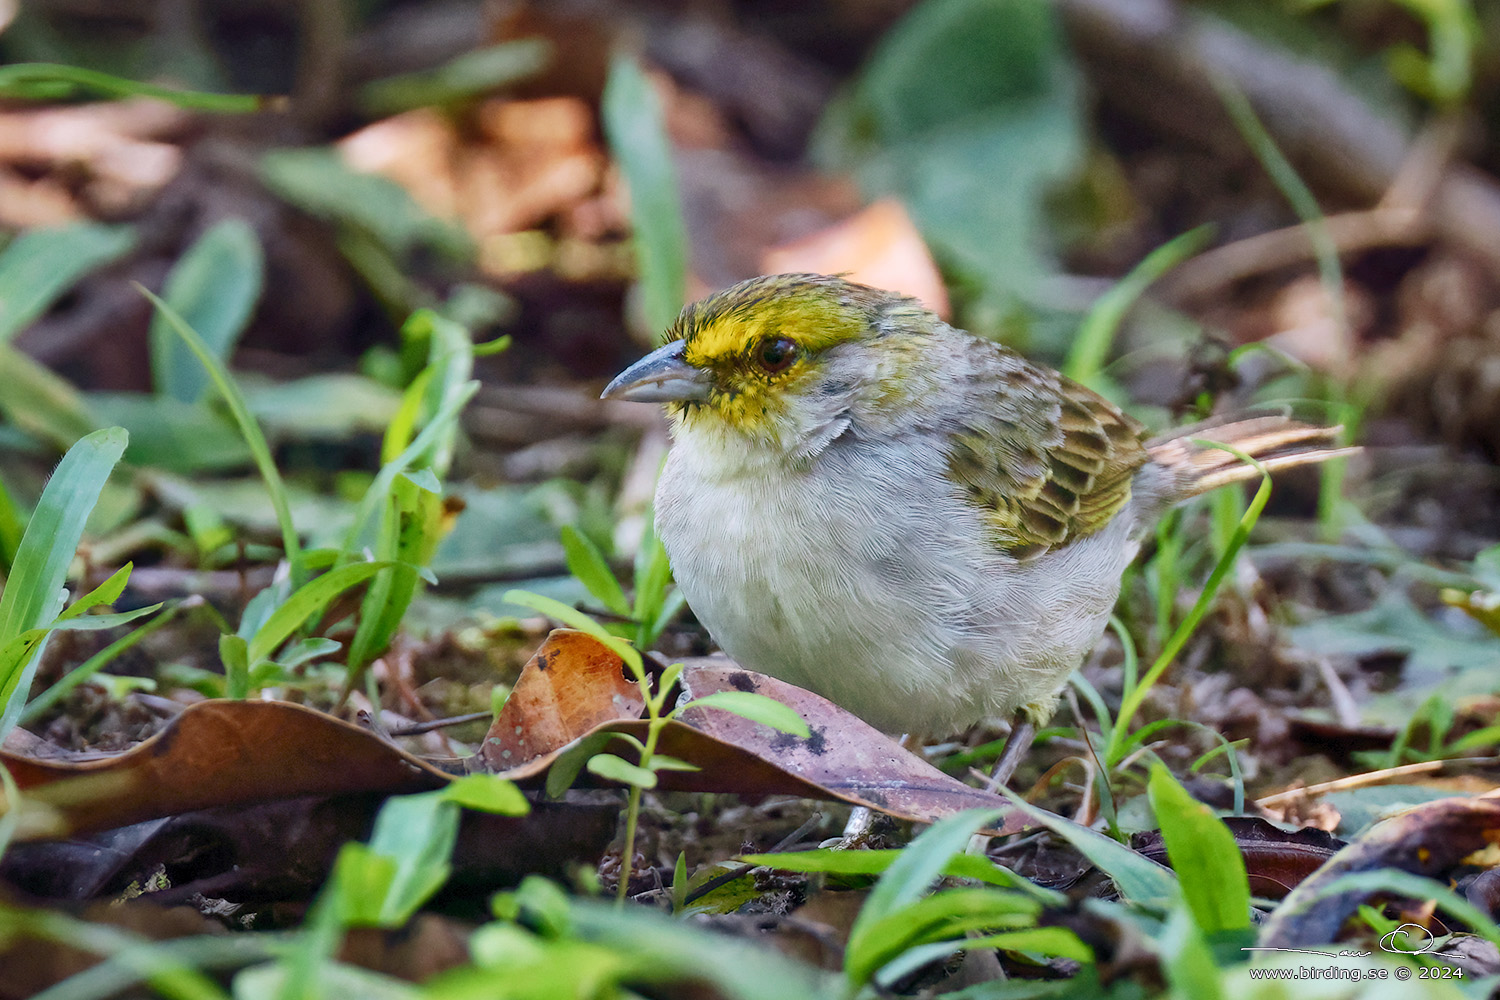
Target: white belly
(866,579)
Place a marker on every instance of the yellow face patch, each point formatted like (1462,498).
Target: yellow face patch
(733,335)
(727,333)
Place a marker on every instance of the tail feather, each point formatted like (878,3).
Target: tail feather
(1277,442)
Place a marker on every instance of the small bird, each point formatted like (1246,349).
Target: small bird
(918,524)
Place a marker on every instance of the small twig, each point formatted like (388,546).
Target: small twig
(1213,270)
(418,728)
(1367,779)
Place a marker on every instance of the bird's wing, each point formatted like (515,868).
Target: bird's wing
(1059,479)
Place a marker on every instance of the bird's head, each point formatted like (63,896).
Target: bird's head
(784,360)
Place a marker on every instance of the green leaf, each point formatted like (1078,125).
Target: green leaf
(320,183)
(472,74)
(586,562)
(1210,869)
(945,916)
(1187,959)
(908,879)
(573,618)
(304,602)
(1139,879)
(968,112)
(233,654)
(1394,882)
(98,623)
(249,429)
(30,599)
(679,871)
(12,527)
(186,438)
(322,979)
(41,403)
(612,768)
(664,762)
(49,81)
(487,793)
(40,265)
(106,593)
(258,609)
(653,577)
(756,708)
(635,127)
(214,287)
(43,702)
(306,650)
(418,833)
(331,406)
(571,760)
(837,861)
(1097,331)
(409,535)
(442,425)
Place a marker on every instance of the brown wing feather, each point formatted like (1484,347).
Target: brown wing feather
(1043,491)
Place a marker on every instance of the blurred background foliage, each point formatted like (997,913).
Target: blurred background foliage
(415,239)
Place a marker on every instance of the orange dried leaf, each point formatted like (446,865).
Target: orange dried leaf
(877,246)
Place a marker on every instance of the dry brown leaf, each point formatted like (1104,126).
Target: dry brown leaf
(843,758)
(877,246)
(1276,860)
(521,164)
(1429,840)
(215,753)
(550,708)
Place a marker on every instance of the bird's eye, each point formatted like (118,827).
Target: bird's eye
(776,354)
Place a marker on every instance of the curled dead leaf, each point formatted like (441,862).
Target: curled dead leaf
(573,688)
(1427,840)
(215,753)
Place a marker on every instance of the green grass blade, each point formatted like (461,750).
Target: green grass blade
(260,450)
(52,81)
(653,578)
(756,708)
(380,488)
(910,877)
(573,618)
(12,527)
(634,125)
(169,968)
(31,593)
(1139,879)
(42,703)
(1293,188)
(1210,869)
(588,564)
(305,602)
(410,535)
(1121,739)
(1097,331)
(106,593)
(214,288)
(472,74)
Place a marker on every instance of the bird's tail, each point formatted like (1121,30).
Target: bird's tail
(1192,465)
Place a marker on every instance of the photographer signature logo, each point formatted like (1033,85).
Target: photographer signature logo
(1407,939)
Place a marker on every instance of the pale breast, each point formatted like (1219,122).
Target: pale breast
(867,579)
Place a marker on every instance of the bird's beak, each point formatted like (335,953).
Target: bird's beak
(660,377)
